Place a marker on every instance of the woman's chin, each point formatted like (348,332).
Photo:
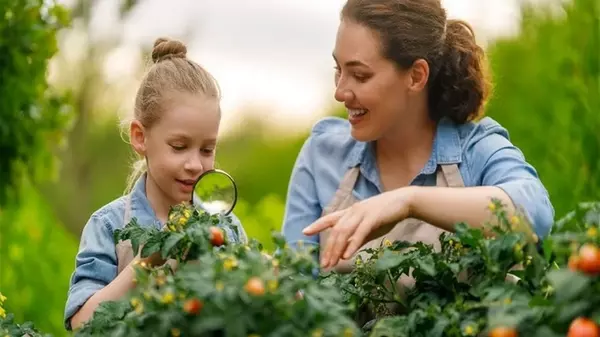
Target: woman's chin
(363,134)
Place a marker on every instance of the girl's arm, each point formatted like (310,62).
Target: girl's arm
(113,291)
(95,277)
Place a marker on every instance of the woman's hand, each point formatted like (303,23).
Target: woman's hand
(363,221)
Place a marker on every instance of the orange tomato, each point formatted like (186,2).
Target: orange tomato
(574,262)
(583,327)
(255,286)
(503,331)
(589,259)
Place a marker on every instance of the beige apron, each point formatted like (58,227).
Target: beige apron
(124,249)
(411,229)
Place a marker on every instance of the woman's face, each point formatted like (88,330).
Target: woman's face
(375,92)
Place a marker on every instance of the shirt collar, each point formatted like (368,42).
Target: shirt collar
(446,150)
(140,205)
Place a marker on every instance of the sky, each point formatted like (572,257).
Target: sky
(273,56)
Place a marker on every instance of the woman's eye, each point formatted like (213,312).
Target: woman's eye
(361,77)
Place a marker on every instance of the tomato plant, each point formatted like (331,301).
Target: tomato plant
(219,288)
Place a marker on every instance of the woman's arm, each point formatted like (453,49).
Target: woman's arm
(302,205)
(445,207)
(498,170)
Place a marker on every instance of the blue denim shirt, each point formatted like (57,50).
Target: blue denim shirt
(482,150)
(96,261)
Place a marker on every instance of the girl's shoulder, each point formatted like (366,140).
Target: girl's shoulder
(111,214)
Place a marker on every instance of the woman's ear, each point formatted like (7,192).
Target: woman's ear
(418,75)
(137,134)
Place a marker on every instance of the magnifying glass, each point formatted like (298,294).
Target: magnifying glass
(215,192)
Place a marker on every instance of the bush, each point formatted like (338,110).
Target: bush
(547,94)
(477,284)
(32,117)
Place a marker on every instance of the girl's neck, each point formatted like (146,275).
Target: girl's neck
(157,199)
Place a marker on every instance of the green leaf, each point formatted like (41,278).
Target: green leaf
(568,284)
(171,241)
(427,265)
(391,259)
(152,246)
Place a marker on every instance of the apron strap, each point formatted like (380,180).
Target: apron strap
(452,175)
(127,214)
(344,191)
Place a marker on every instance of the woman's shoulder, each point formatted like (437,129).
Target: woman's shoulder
(330,138)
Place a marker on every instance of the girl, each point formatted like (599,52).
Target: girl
(174,129)
(414,157)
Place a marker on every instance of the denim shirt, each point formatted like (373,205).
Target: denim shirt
(96,261)
(482,151)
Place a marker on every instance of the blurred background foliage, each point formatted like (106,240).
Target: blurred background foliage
(547,94)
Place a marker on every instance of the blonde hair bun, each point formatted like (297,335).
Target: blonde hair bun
(165,48)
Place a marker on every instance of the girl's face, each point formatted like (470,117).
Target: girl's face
(180,146)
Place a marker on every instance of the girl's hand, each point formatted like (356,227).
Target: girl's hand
(155,259)
(360,223)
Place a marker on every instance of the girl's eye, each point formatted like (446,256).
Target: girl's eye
(208,151)
(178,147)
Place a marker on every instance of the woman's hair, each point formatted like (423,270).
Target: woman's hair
(458,84)
(170,74)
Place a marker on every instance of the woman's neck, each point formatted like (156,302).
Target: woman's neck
(403,153)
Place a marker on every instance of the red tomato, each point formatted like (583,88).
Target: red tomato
(583,327)
(193,306)
(216,236)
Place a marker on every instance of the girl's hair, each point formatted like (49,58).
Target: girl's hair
(171,73)
(459,82)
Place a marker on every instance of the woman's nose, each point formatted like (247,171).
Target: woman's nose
(343,95)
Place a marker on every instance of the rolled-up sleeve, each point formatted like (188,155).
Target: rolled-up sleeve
(302,204)
(494,161)
(95,265)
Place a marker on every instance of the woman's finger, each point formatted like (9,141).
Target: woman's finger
(359,236)
(343,229)
(323,223)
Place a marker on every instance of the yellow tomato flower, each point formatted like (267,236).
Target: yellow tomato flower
(167,297)
(272,285)
(592,232)
(175,332)
(318,332)
(469,330)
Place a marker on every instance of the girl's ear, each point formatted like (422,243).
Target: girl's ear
(137,134)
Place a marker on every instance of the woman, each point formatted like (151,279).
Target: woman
(415,156)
